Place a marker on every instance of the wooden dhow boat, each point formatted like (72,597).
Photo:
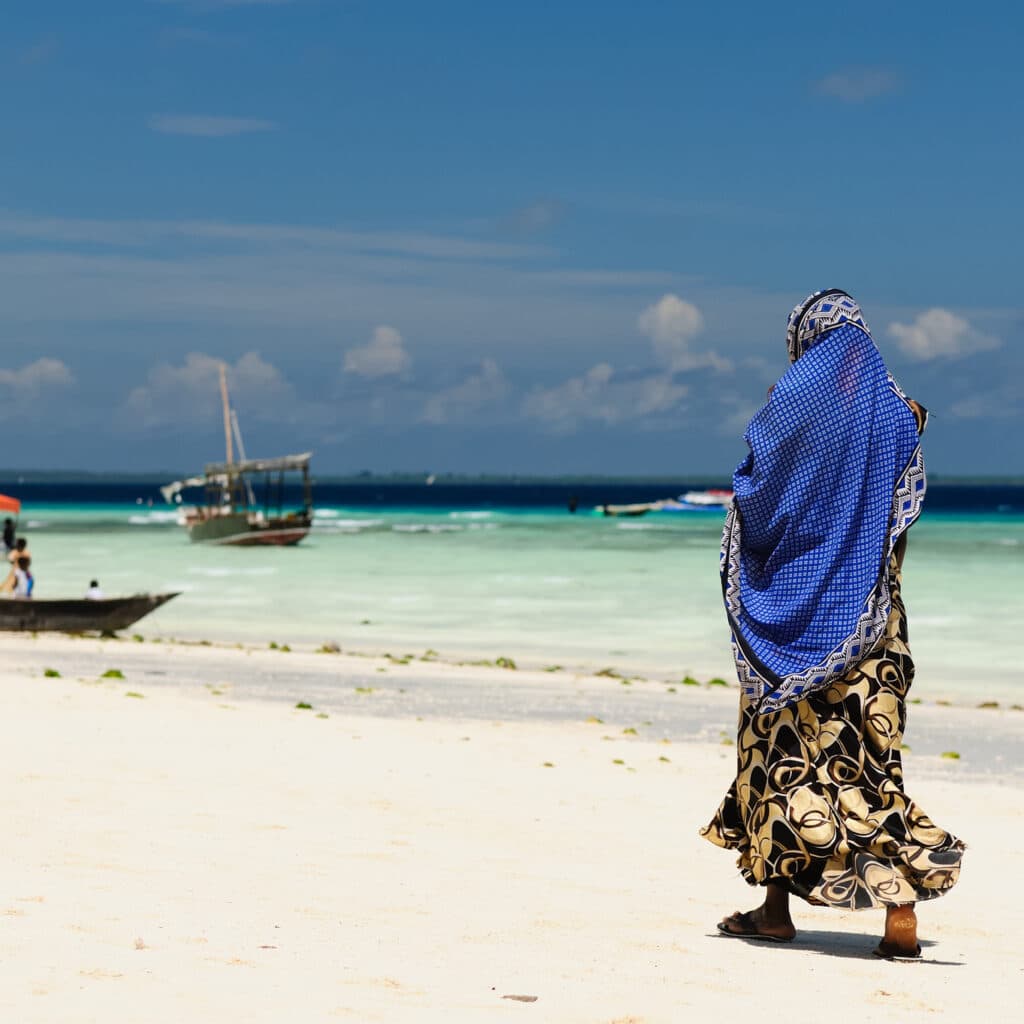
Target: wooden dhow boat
(231,512)
(78,615)
(243,500)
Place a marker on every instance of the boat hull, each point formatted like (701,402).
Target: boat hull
(238,530)
(640,509)
(77,615)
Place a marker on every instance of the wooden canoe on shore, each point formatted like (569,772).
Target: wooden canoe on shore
(78,615)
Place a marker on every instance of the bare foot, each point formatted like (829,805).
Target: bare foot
(900,939)
(759,924)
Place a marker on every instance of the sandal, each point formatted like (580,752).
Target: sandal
(748,929)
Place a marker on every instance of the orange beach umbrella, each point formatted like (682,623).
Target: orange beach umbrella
(9,504)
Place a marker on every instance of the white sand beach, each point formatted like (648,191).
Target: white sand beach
(180,848)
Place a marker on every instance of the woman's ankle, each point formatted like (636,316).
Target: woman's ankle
(901,925)
(776,904)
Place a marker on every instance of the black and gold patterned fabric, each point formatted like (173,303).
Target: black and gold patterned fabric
(818,804)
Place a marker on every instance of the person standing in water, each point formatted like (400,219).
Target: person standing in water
(19,580)
(19,550)
(812,554)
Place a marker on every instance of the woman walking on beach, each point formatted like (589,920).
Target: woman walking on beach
(811,559)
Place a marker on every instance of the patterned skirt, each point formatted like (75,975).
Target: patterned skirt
(818,804)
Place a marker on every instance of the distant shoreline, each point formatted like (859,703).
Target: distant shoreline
(12,477)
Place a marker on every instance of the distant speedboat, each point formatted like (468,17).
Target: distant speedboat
(230,512)
(712,498)
(77,615)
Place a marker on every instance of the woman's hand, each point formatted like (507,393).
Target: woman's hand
(920,414)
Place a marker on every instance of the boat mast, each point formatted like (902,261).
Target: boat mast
(227,412)
(250,493)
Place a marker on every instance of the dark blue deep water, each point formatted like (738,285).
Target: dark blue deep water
(965,499)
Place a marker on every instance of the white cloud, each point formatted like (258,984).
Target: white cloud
(735,411)
(21,390)
(137,233)
(533,217)
(996,404)
(384,355)
(40,52)
(604,396)
(671,323)
(938,333)
(856,85)
(208,127)
(486,387)
(192,390)
(36,377)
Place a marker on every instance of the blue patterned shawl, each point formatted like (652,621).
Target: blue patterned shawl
(833,478)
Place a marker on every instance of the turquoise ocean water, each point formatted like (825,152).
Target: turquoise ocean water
(536,585)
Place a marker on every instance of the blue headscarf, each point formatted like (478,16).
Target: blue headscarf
(833,478)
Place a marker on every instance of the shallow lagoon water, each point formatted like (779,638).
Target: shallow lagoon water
(536,585)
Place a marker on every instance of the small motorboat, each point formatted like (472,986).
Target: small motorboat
(637,509)
(714,498)
(78,615)
(699,501)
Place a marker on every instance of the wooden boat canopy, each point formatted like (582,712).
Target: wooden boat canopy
(171,491)
(281,464)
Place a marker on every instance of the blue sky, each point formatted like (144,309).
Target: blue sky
(552,237)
